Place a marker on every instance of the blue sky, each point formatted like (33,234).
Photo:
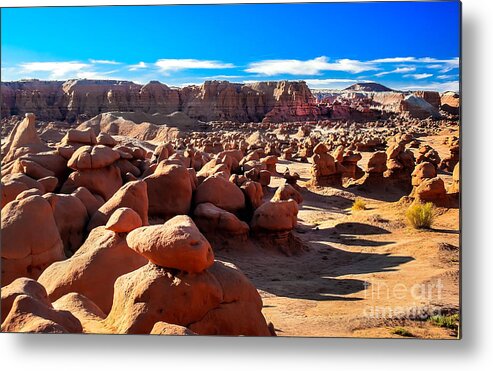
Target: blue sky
(402,45)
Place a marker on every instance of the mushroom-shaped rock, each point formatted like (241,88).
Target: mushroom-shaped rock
(103,181)
(325,171)
(424,170)
(286,192)
(431,190)
(96,157)
(124,220)
(169,191)
(220,192)
(175,244)
(132,195)
(254,195)
(270,162)
(213,221)
(377,163)
(291,177)
(278,216)
(350,162)
(93,269)
(30,238)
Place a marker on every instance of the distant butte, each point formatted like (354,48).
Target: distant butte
(368,86)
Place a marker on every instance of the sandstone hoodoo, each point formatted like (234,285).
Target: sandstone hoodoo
(176,244)
(181,273)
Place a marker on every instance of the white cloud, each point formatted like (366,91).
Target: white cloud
(437,86)
(103,61)
(397,70)
(394,60)
(95,75)
(452,61)
(56,70)
(222,77)
(419,76)
(65,70)
(172,65)
(444,77)
(332,83)
(138,66)
(309,67)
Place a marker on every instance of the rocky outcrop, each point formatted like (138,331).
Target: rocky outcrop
(450,102)
(270,101)
(214,100)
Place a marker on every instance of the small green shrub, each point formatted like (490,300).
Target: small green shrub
(450,321)
(402,332)
(421,216)
(359,204)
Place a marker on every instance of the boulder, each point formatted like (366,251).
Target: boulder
(96,157)
(275,216)
(103,181)
(93,269)
(132,195)
(163,328)
(30,238)
(286,192)
(220,192)
(176,244)
(124,220)
(30,314)
(90,201)
(169,191)
(214,298)
(239,296)
(153,294)
(87,313)
(21,286)
(71,219)
(213,222)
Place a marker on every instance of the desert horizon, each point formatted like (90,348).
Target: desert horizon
(249,82)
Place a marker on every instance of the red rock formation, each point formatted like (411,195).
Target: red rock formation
(213,100)
(450,102)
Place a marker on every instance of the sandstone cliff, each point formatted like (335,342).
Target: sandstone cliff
(213,100)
